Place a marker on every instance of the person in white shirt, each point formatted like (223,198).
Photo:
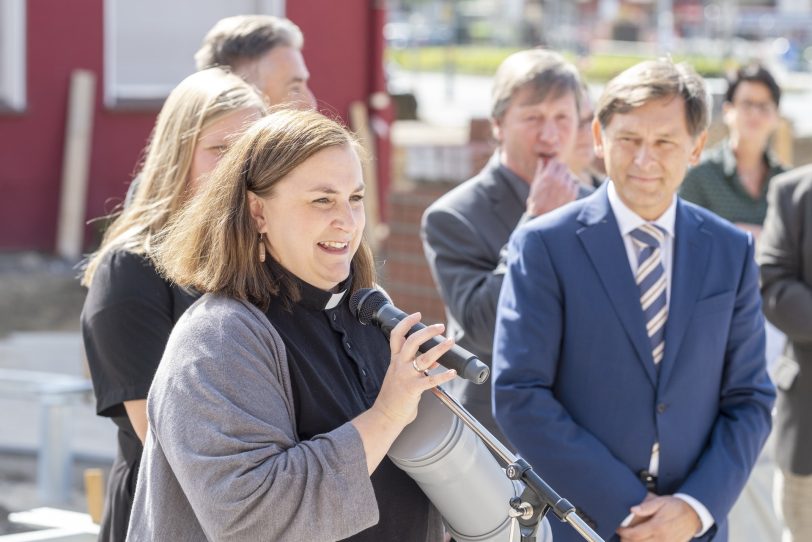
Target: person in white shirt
(628,360)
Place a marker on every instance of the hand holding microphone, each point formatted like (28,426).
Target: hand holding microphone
(439,448)
(372,306)
(406,378)
(396,404)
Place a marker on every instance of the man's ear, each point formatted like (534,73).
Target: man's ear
(728,113)
(496,130)
(597,137)
(256,206)
(699,144)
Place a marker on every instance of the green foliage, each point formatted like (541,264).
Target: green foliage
(481,60)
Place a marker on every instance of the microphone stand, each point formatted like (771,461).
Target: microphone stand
(538,498)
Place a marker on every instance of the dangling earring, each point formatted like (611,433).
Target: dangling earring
(262,247)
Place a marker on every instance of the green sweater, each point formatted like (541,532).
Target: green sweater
(715,185)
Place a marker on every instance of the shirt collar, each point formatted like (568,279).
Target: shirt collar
(628,220)
(772,159)
(318,299)
(728,159)
(519,186)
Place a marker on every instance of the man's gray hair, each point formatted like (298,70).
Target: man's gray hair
(241,38)
(653,80)
(546,72)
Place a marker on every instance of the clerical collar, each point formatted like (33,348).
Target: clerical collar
(318,299)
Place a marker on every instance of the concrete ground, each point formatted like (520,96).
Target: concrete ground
(40,303)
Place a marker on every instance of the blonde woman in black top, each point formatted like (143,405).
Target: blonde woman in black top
(130,309)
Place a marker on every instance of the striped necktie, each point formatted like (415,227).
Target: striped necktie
(651,280)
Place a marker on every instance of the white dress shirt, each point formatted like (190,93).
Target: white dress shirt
(627,222)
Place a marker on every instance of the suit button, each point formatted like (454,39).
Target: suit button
(661,408)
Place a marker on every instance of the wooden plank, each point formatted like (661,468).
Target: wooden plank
(75,165)
(359,123)
(783,141)
(94,491)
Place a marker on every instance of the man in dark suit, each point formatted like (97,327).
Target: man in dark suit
(629,351)
(534,116)
(785,255)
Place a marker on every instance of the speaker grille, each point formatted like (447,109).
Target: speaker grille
(365,303)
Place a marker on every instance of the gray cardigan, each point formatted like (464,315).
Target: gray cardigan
(222,460)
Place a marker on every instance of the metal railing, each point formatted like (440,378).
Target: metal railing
(56,394)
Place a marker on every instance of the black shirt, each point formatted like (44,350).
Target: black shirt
(337,366)
(126,320)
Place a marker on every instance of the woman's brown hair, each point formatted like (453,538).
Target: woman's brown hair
(213,244)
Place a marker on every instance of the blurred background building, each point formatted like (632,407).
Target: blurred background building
(137,52)
(580,25)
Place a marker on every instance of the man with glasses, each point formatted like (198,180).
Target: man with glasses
(732,178)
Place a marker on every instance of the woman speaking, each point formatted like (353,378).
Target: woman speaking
(273,408)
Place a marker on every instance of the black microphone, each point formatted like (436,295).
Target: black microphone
(372,306)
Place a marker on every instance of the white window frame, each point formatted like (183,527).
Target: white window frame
(146,95)
(12,47)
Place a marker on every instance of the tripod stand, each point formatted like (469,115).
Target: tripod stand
(538,498)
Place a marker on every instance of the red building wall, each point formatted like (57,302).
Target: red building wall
(61,37)
(340,38)
(344,53)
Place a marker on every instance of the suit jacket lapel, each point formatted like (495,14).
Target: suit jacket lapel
(506,203)
(604,246)
(691,251)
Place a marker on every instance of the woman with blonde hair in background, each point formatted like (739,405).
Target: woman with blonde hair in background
(273,407)
(130,310)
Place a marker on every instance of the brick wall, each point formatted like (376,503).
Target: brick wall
(403,270)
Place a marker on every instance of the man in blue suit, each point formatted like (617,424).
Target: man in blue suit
(629,350)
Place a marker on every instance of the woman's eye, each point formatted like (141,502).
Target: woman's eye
(357,197)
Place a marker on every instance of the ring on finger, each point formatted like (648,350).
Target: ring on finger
(416,368)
